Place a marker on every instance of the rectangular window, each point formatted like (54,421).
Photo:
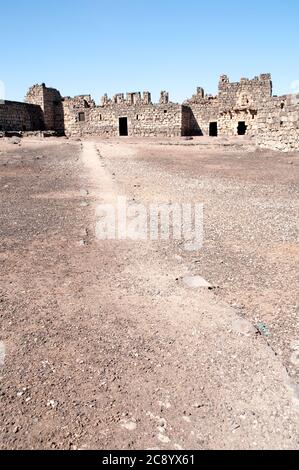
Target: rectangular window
(81,117)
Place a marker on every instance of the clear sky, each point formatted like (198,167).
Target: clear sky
(112,46)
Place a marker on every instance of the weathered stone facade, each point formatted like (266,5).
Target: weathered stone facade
(245,107)
(278,124)
(50,102)
(135,112)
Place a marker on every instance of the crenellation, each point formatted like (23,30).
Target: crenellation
(164,97)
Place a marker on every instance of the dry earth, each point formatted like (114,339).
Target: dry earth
(102,345)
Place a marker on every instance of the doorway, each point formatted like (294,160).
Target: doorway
(213,132)
(123,126)
(242,128)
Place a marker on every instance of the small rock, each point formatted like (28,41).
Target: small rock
(295,358)
(163,438)
(15,140)
(244,327)
(295,345)
(187,419)
(2,353)
(129,425)
(178,447)
(52,403)
(195,282)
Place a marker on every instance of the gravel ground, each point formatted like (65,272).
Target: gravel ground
(251,207)
(102,345)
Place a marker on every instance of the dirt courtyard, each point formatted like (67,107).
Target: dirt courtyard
(102,344)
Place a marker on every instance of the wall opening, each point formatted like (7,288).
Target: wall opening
(123,126)
(81,117)
(242,128)
(213,131)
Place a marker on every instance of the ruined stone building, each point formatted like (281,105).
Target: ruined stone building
(243,108)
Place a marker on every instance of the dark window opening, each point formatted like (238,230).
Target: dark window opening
(165,111)
(242,128)
(100,117)
(282,105)
(24,128)
(81,117)
(213,131)
(281,123)
(1,128)
(123,126)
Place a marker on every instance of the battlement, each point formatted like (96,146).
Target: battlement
(133,99)
(263,78)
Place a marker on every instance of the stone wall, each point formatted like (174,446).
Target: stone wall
(246,94)
(203,110)
(83,117)
(278,124)
(50,101)
(244,107)
(16,116)
(236,102)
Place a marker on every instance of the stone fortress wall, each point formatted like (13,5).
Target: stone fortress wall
(24,117)
(246,107)
(50,102)
(133,115)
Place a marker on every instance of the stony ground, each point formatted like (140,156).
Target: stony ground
(102,345)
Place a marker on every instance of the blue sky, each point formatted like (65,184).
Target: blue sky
(111,46)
